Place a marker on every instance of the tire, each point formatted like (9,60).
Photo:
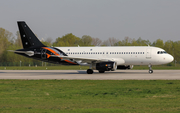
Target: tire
(89,71)
(150,71)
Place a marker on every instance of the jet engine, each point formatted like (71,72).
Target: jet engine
(105,66)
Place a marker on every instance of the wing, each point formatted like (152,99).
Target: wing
(91,60)
(82,59)
(85,60)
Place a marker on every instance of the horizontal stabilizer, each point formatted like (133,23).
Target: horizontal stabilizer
(29,53)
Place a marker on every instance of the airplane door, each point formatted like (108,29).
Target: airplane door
(148,53)
(43,54)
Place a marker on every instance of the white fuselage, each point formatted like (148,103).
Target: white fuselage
(122,55)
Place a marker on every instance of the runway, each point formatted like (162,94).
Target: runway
(81,75)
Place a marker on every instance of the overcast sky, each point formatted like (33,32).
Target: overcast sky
(148,19)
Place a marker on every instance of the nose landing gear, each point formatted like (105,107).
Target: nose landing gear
(150,69)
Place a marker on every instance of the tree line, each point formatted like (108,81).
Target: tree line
(10,42)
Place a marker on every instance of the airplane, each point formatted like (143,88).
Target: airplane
(97,58)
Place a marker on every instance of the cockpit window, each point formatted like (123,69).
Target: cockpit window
(161,52)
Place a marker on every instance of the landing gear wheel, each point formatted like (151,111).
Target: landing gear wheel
(101,71)
(150,71)
(89,71)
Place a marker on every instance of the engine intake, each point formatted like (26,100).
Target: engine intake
(105,66)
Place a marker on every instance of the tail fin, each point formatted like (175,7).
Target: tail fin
(29,40)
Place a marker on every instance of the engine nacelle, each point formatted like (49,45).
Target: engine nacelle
(105,66)
(125,67)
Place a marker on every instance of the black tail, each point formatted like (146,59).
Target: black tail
(29,40)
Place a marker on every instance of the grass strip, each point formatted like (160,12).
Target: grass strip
(86,96)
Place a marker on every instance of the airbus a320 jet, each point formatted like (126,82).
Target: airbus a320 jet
(97,58)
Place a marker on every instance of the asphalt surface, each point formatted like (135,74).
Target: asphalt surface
(81,75)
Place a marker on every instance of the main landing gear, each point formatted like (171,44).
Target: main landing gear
(89,71)
(150,69)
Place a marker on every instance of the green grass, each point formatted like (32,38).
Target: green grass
(90,96)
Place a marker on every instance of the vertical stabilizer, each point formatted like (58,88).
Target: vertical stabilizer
(28,38)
